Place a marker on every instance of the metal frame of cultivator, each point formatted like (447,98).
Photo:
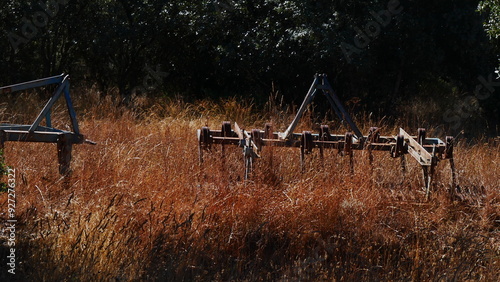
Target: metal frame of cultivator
(46,134)
(426,151)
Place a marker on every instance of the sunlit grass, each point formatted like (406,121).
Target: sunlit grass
(139,205)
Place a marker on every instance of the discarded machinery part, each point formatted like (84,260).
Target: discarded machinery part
(268,131)
(373,135)
(47,134)
(403,163)
(427,179)
(306,146)
(321,83)
(448,152)
(416,149)
(225,132)
(398,150)
(449,155)
(64,149)
(226,129)
(421,133)
(426,151)
(248,156)
(239,132)
(247,140)
(206,138)
(243,139)
(348,150)
(427,160)
(348,143)
(324,135)
(204,141)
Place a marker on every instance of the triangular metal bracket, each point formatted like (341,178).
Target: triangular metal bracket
(321,83)
(35,132)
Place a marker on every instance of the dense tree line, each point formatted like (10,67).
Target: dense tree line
(383,52)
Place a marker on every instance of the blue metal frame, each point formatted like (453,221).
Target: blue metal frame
(35,132)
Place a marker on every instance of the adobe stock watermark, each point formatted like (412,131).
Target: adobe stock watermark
(469,105)
(372,29)
(10,230)
(30,27)
(152,80)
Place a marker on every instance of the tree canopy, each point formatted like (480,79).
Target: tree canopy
(383,52)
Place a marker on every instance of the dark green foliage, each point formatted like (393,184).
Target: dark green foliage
(214,48)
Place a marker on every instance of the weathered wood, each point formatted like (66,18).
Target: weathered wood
(416,150)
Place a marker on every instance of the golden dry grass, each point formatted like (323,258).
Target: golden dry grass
(138,206)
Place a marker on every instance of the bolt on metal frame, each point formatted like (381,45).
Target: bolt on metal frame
(426,151)
(46,134)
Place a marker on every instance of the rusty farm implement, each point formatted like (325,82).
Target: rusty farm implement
(426,151)
(35,132)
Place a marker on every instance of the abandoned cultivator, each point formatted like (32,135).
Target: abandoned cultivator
(426,151)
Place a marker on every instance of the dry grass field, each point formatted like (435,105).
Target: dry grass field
(138,206)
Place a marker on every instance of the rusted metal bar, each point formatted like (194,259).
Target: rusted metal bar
(39,136)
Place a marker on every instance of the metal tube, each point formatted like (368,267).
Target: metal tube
(307,100)
(32,84)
